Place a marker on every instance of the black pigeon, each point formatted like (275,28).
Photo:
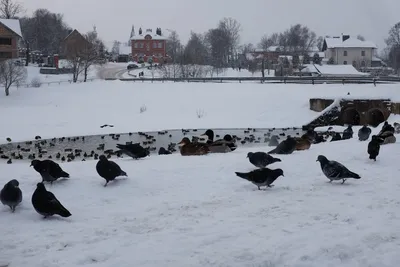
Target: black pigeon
(11,194)
(261,177)
(46,204)
(273,141)
(163,151)
(261,159)
(334,170)
(386,128)
(347,133)
(108,169)
(373,147)
(135,150)
(49,170)
(364,133)
(285,147)
(336,137)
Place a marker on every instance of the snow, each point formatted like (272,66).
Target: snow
(194,211)
(76,109)
(336,42)
(12,24)
(347,70)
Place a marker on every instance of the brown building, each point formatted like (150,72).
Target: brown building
(10,34)
(74,44)
(147,46)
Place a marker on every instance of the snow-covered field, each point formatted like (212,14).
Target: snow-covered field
(77,109)
(193,211)
(34,73)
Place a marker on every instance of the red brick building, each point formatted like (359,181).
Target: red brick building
(149,46)
(10,34)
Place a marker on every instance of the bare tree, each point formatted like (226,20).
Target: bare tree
(219,44)
(232,29)
(297,39)
(393,47)
(10,9)
(11,73)
(195,52)
(174,46)
(320,43)
(268,41)
(92,52)
(115,50)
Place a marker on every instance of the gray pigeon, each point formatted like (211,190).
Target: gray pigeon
(49,170)
(11,194)
(334,170)
(364,133)
(261,159)
(261,177)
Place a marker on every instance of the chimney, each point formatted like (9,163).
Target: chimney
(140,31)
(345,37)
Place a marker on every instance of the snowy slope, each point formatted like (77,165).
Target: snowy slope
(78,109)
(193,211)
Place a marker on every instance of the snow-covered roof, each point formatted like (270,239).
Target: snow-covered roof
(150,33)
(336,42)
(338,70)
(12,24)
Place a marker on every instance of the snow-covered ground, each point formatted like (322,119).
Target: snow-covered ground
(76,109)
(193,211)
(206,71)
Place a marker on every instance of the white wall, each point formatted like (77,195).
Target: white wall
(353,54)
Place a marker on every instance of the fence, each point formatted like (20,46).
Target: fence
(52,82)
(300,80)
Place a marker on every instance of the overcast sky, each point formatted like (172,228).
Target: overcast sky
(115,18)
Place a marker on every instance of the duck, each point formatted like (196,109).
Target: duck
(303,143)
(188,148)
(224,145)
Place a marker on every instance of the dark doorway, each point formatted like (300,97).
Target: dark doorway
(375,117)
(351,116)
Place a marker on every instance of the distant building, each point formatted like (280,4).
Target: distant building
(345,50)
(10,34)
(74,44)
(148,46)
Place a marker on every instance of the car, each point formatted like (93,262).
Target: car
(132,66)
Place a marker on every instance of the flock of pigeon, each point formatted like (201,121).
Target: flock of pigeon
(46,204)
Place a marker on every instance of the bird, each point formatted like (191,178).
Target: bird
(285,147)
(336,137)
(46,204)
(226,144)
(163,151)
(11,194)
(347,133)
(273,141)
(334,170)
(49,170)
(364,133)
(108,169)
(261,159)
(373,147)
(386,128)
(188,148)
(136,151)
(261,177)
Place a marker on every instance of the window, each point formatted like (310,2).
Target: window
(148,47)
(136,45)
(154,45)
(345,53)
(345,62)
(141,45)
(160,45)
(363,53)
(363,64)
(5,55)
(5,41)
(354,64)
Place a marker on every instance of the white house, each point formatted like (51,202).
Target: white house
(346,50)
(332,70)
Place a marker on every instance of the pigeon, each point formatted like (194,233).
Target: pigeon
(347,133)
(261,159)
(46,204)
(285,147)
(334,170)
(396,127)
(386,128)
(336,137)
(136,151)
(163,151)
(108,169)
(273,141)
(373,147)
(11,194)
(261,177)
(49,170)
(364,133)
